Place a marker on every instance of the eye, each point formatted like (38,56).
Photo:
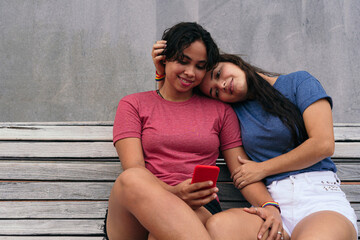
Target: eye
(202,67)
(217,75)
(182,62)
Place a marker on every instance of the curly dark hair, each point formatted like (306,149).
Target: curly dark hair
(181,35)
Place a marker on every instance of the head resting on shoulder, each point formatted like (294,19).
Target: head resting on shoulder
(182,35)
(269,97)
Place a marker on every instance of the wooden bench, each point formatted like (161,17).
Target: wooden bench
(56,178)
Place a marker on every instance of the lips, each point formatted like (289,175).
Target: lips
(185,82)
(231,86)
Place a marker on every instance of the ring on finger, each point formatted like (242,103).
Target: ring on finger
(280,233)
(256,210)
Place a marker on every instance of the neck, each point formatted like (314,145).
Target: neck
(174,96)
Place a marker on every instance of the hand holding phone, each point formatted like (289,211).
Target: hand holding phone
(204,173)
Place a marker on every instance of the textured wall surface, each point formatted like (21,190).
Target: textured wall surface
(72,60)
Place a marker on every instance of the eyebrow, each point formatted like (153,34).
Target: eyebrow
(189,58)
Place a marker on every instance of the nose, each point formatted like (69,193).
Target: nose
(189,71)
(222,84)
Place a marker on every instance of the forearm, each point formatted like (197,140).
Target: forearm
(320,144)
(256,194)
(305,155)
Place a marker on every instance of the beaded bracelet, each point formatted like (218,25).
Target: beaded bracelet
(159,77)
(275,204)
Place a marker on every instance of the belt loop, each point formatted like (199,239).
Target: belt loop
(337,178)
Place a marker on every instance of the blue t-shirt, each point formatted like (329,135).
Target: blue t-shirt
(264,136)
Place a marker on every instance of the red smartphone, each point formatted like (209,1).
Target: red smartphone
(204,173)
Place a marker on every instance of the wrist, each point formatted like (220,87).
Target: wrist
(159,77)
(266,168)
(271,204)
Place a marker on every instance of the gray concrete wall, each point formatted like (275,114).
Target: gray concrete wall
(72,60)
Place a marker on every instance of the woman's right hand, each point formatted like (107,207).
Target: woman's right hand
(195,195)
(157,49)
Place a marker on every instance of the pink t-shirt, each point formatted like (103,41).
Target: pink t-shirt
(177,136)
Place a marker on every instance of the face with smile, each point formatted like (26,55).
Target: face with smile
(183,74)
(226,82)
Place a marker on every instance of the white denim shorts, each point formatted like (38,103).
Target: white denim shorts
(303,194)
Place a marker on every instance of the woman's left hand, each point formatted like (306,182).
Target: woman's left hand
(272,222)
(248,172)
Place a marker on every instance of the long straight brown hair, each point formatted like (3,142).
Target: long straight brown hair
(270,99)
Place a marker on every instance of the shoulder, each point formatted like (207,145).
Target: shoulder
(295,81)
(299,76)
(138,97)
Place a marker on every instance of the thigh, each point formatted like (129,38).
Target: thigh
(234,224)
(327,225)
(120,223)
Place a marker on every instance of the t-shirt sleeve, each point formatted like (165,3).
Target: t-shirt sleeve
(127,121)
(309,91)
(230,131)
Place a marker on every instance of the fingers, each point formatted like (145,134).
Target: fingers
(199,190)
(238,181)
(243,161)
(199,194)
(159,46)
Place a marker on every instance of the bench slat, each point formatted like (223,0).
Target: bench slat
(52,209)
(53,227)
(58,149)
(347,133)
(81,209)
(56,133)
(50,238)
(83,131)
(106,149)
(101,191)
(84,170)
(60,170)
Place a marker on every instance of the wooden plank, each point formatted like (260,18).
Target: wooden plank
(347,132)
(55,190)
(52,209)
(106,149)
(67,123)
(58,149)
(347,150)
(103,131)
(108,171)
(55,133)
(59,170)
(101,191)
(50,238)
(51,227)
(348,172)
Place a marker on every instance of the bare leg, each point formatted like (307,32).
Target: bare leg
(139,204)
(235,224)
(327,225)
(202,213)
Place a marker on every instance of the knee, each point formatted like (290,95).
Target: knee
(214,224)
(129,183)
